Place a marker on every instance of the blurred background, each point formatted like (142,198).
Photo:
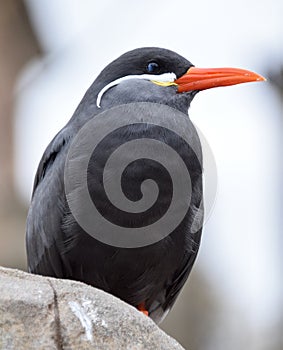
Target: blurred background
(51,51)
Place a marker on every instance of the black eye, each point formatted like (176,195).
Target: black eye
(152,67)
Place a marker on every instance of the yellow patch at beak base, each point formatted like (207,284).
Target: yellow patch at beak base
(163,83)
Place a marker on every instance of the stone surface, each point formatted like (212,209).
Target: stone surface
(45,313)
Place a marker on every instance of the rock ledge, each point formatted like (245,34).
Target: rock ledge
(39,312)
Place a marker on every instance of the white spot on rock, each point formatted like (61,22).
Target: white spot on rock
(88,315)
(86,322)
(92,313)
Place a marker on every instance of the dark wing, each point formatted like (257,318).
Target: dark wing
(181,276)
(174,288)
(48,159)
(44,232)
(193,238)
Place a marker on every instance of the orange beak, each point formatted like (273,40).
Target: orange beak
(207,78)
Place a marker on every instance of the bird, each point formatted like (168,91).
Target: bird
(150,276)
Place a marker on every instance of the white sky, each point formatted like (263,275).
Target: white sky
(242,123)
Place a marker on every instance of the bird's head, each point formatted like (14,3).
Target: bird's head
(161,76)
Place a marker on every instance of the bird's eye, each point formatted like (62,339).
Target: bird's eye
(152,67)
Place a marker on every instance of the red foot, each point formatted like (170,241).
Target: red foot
(141,308)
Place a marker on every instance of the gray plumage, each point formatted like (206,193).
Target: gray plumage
(57,246)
